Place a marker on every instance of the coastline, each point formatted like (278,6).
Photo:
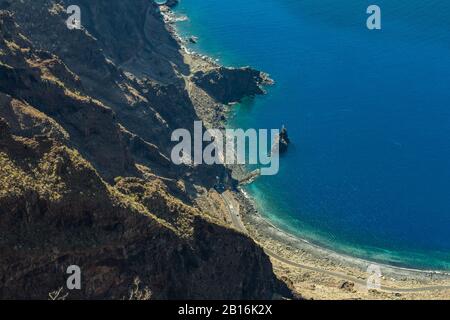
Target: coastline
(250,203)
(316,271)
(310,266)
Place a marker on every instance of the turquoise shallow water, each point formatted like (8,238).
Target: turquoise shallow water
(368,172)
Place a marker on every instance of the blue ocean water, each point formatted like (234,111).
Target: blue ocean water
(368,173)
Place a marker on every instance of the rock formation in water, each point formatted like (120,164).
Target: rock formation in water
(283,140)
(85,123)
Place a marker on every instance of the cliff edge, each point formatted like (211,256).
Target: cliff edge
(85,123)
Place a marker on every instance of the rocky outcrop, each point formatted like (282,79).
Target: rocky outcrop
(283,140)
(231,85)
(86,179)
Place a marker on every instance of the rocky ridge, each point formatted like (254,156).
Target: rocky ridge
(85,123)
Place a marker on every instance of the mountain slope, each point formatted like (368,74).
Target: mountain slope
(85,123)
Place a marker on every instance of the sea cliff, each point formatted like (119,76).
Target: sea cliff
(85,123)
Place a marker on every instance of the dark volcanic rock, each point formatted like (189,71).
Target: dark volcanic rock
(58,212)
(347,286)
(231,85)
(4,128)
(283,140)
(86,178)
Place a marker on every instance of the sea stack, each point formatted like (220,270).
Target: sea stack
(283,140)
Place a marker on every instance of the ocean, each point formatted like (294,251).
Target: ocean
(368,114)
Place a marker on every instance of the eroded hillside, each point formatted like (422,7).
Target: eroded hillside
(86,177)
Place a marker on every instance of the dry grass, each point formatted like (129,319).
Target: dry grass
(138,293)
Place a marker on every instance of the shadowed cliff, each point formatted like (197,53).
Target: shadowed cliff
(85,123)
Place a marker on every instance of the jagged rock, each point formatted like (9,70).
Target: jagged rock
(283,140)
(347,286)
(229,85)
(84,150)
(111,235)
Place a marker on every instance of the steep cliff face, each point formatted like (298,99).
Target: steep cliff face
(231,85)
(85,123)
(56,211)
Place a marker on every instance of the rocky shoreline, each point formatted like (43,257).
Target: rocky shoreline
(318,263)
(85,123)
(232,84)
(226,85)
(327,261)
